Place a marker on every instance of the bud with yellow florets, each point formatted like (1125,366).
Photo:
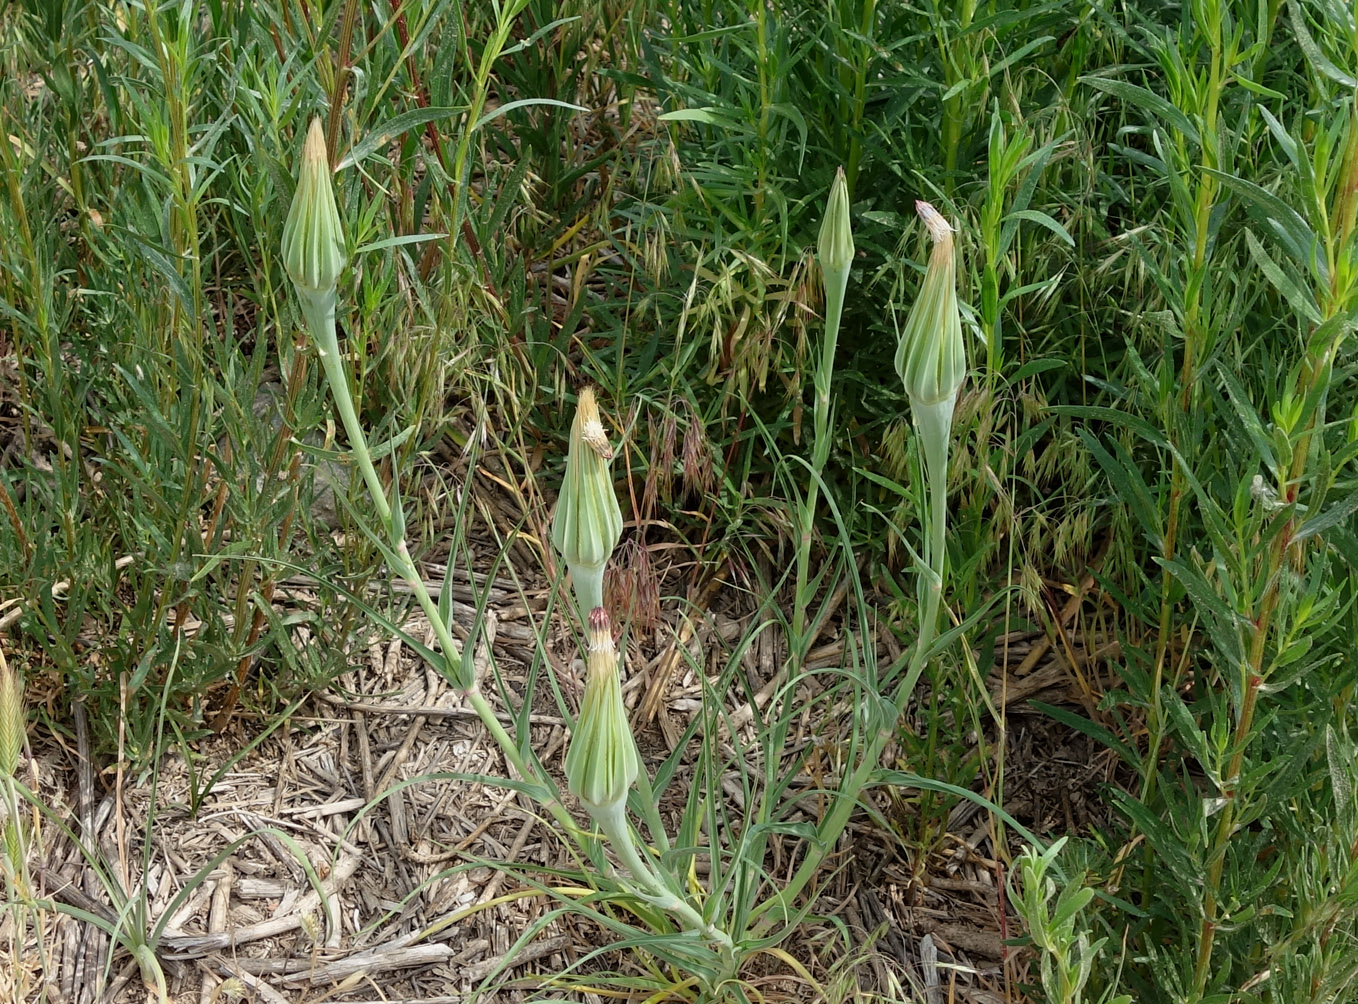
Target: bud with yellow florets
(931,360)
(602,763)
(588,520)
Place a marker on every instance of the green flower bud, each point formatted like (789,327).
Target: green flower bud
(313,238)
(11,719)
(588,520)
(932,362)
(931,358)
(835,254)
(835,248)
(602,762)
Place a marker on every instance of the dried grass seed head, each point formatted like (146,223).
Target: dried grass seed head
(12,719)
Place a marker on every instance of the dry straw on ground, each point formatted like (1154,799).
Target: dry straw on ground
(414,909)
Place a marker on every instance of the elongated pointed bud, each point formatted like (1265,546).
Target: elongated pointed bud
(13,852)
(588,519)
(602,762)
(11,719)
(834,251)
(313,238)
(931,358)
(835,247)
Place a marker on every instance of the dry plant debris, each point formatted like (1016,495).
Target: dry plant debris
(369,779)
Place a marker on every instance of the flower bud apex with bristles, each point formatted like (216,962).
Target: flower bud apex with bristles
(588,519)
(835,247)
(313,238)
(931,358)
(602,762)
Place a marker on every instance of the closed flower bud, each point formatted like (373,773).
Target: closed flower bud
(835,248)
(931,358)
(588,520)
(602,762)
(313,238)
(11,719)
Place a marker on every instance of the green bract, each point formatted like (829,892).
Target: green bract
(602,762)
(835,247)
(931,358)
(588,520)
(313,238)
(11,720)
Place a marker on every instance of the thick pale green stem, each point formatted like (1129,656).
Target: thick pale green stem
(320,315)
(836,282)
(653,889)
(834,254)
(933,423)
(589,587)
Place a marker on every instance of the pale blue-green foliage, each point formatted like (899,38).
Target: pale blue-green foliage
(1059,930)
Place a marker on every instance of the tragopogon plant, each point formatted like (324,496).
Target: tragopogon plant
(932,364)
(834,252)
(315,256)
(603,764)
(716,928)
(931,360)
